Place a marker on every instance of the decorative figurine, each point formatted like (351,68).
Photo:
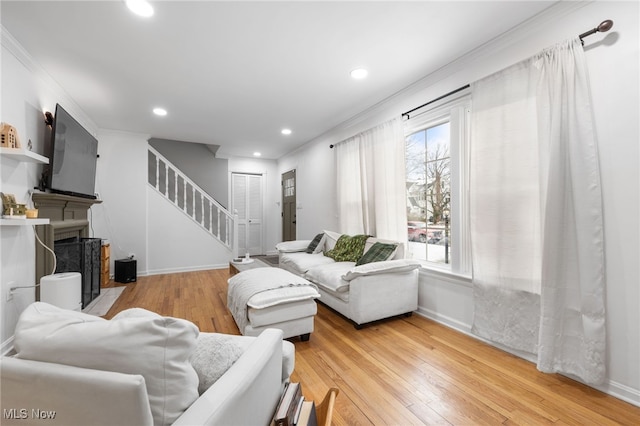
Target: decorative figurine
(9,136)
(10,208)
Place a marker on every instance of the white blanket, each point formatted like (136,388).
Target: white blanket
(246,284)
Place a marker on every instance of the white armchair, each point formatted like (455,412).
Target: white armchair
(134,371)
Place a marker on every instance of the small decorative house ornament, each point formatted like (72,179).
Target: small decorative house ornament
(10,208)
(9,204)
(9,136)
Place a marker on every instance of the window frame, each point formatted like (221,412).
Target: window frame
(457,111)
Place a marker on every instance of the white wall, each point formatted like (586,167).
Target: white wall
(315,186)
(613,62)
(27,92)
(176,243)
(121,182)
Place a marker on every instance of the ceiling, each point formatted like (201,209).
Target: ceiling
(234,74)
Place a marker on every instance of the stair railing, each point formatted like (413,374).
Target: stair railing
(192,200)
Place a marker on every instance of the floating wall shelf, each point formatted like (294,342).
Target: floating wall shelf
(23,155)
(23,222)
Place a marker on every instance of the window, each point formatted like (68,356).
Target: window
(289,187)
(436,173)
(428,162)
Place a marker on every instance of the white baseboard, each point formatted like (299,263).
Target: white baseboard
(617,390)
(445,320)
(186,269)
(620,391)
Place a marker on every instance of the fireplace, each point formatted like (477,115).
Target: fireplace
(81,255)
(67,234)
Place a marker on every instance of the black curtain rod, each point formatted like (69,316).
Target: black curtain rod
(459,89)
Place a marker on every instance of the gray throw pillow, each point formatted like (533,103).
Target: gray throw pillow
(213,356)
(313,245)
(377,253)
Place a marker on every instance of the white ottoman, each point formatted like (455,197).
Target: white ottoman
(264,298)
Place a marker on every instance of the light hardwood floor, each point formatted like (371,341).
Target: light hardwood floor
(404,371)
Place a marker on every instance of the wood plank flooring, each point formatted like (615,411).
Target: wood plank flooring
(404,371)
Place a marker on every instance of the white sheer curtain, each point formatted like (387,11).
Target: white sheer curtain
(536,213)
(371,184)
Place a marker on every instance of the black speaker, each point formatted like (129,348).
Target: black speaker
(126,271)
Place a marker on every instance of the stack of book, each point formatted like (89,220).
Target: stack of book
(293,409)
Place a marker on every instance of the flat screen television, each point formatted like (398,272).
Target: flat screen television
(73,157)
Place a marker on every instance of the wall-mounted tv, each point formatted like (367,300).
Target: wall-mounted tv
(73,157)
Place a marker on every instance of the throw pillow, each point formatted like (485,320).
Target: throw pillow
(375,268)
(379,252)
(348,248)
(315,246)
(214,355)
(332,239)
(292,246)
(138,342)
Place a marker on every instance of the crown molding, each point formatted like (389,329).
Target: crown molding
(20,53)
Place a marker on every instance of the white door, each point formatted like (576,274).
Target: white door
(246,199)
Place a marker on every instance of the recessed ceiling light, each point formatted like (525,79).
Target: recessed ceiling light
(257,154)
(140,7)
(160,111)
(359,73)
(286,131)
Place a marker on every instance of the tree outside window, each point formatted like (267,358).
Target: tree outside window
(428,171)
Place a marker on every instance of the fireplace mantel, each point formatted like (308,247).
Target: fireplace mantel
(60,207)
(68,218)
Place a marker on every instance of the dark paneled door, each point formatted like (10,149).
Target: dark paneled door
(289,206)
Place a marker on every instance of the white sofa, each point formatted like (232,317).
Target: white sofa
(247,393)
(363,293)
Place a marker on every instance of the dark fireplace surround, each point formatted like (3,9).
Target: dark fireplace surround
(68,235)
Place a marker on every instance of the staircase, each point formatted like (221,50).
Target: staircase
(194,202)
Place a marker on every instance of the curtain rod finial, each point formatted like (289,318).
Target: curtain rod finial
(602,28)
(605,26)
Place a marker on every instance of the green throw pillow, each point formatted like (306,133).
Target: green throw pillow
(377,253)
(348,248)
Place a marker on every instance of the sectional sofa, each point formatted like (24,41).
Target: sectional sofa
(372,284)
